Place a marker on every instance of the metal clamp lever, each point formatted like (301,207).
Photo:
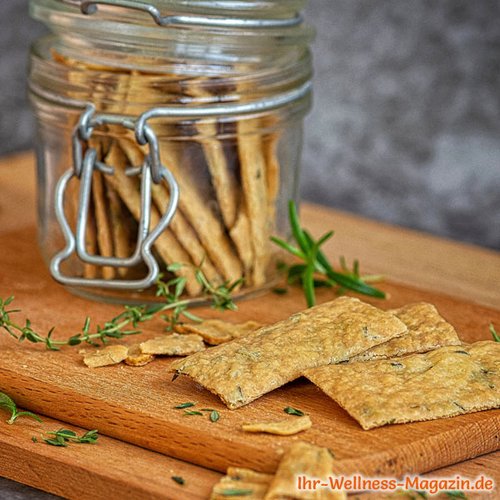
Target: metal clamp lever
(83,168)
(90,7)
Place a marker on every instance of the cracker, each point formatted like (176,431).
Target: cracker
(286,427)
(253,484)
(166,245)
(247,368)
(303,459)
(427,330)
(253,176)
(110,355)
(173,345)
(449,381)
(135,356)
(216,331)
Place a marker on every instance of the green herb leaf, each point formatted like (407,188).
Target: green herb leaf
(193,413)
(293,411)
(64,436)
(55,441)
(8,403)
(184,405)
(119,326)
(214,416)
(455,494)
(234,492)
(179,480)
(316,264)
(494,334)
(34,439)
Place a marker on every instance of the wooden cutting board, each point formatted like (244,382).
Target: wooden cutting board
(136,404)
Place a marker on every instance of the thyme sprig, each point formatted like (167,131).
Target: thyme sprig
(64,436)
(315,270)
(126,323)
(9,404)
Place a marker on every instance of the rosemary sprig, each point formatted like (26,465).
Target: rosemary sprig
(64,436)
(126,323)
(494,334)
(315,270)
(9,404)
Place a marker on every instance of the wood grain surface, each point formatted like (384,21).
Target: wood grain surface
(118,400)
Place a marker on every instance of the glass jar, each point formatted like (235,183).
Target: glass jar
(167,144)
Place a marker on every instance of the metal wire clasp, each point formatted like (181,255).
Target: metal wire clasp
(90,7)
(84,164)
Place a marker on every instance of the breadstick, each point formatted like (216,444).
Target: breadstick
(253,176)
(166,245)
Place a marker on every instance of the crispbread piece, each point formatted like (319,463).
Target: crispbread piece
(247,368)
(173,345)
(110,355)
(286,427)
(242,474)
(427,330)
(216,331)
(252,485)
(303,459)
(446,382)
(135,356)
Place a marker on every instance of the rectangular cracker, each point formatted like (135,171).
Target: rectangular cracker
(247,368)
(216,331)
(286,427)
(303,459)
(173,345)
(427,330)
(449,381)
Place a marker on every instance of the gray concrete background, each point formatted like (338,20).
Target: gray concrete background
(406,124)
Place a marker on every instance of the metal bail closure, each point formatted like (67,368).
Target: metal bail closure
(90,7)
(84,165)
